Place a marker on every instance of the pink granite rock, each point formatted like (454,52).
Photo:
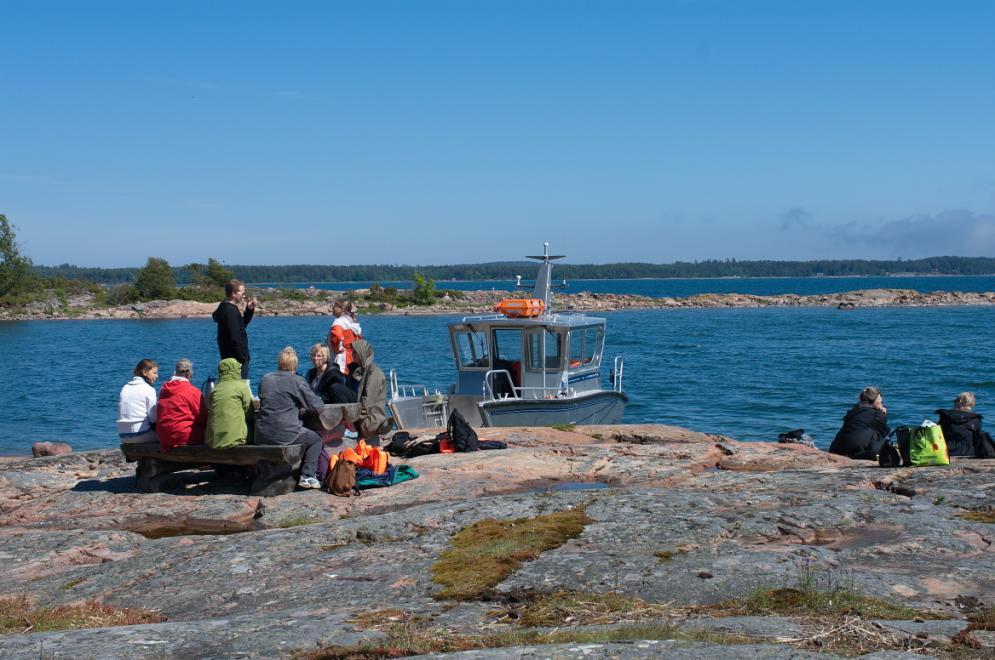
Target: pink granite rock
(50,449)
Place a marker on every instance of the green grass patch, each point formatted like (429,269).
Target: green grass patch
(978,516)
(564,427)
(409,638)
(486,552)
(19,615)
(789,601)
(817,593)
(297,521)
(576,608)
(983,619)
(385,619)
(72,583)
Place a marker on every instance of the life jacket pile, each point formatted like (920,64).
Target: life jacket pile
(363,456)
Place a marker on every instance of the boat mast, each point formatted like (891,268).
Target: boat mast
(544,279)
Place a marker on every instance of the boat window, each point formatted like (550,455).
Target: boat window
(594,339)
(508,353)
(552,342)
(471,347)
(585,345)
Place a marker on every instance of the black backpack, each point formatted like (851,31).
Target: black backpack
(461,434)
(403,445)
(888,456)
(984,446)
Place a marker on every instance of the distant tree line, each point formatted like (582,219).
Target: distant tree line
(22,283)
(507,270)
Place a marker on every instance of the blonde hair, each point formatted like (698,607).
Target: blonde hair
(964,401)
(320,348)
(287,360)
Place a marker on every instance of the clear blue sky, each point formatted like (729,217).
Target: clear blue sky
(429,132)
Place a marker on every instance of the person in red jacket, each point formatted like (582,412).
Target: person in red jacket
(182,411)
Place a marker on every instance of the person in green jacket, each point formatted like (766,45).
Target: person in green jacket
(230,401)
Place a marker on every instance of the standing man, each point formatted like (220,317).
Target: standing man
(233,342)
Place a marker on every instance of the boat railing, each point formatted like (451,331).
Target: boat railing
(536,393)
(617,374)
(400,390)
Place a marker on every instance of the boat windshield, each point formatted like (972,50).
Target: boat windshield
(585,346)
(545,349)
(471,349)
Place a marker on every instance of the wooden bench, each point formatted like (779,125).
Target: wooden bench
(276,467)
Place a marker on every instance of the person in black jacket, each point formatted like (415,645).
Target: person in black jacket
(233,342)
(961,427)
(865,427)
(326,380)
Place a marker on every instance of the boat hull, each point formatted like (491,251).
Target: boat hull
(600,407)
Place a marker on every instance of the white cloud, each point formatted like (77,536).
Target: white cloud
(956,232)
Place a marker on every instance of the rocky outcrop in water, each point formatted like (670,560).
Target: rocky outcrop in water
(319,303)
(678,519)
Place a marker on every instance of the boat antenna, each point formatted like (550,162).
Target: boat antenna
(543,286)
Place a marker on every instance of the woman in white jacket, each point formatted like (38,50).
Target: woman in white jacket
(345,329)
(137,405)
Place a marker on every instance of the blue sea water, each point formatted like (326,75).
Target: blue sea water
(679,288)
(746,373)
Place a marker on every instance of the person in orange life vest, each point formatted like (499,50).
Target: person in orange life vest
(345,329)
(182,412)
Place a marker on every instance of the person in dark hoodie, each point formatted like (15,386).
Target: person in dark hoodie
(961,427)
(373,419)
(865,427)
(233,342)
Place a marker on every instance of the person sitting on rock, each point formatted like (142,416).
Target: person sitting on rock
(865,427)
(182,413)
(282,396)
(230,402)
(961,427)
(137,412)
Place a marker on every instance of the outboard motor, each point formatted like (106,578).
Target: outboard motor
(206,390)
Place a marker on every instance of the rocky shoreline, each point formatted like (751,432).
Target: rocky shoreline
(681,527)
(319,303)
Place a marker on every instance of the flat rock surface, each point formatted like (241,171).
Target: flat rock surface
(677,517)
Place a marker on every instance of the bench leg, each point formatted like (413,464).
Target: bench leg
(158,483)
(273,479)
(149,467)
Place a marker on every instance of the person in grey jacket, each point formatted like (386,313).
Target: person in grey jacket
(282,395)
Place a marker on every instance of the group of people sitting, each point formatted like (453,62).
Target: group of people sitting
(181,415)
(865,427)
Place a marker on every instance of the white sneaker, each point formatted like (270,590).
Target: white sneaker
(350,435)
(308,482)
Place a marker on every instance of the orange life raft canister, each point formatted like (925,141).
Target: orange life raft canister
(520,307)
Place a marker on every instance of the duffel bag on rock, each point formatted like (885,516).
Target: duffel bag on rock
(927,446)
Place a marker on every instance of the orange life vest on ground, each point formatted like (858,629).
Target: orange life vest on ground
(373,459)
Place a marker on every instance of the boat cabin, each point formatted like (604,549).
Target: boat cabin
(540,358)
